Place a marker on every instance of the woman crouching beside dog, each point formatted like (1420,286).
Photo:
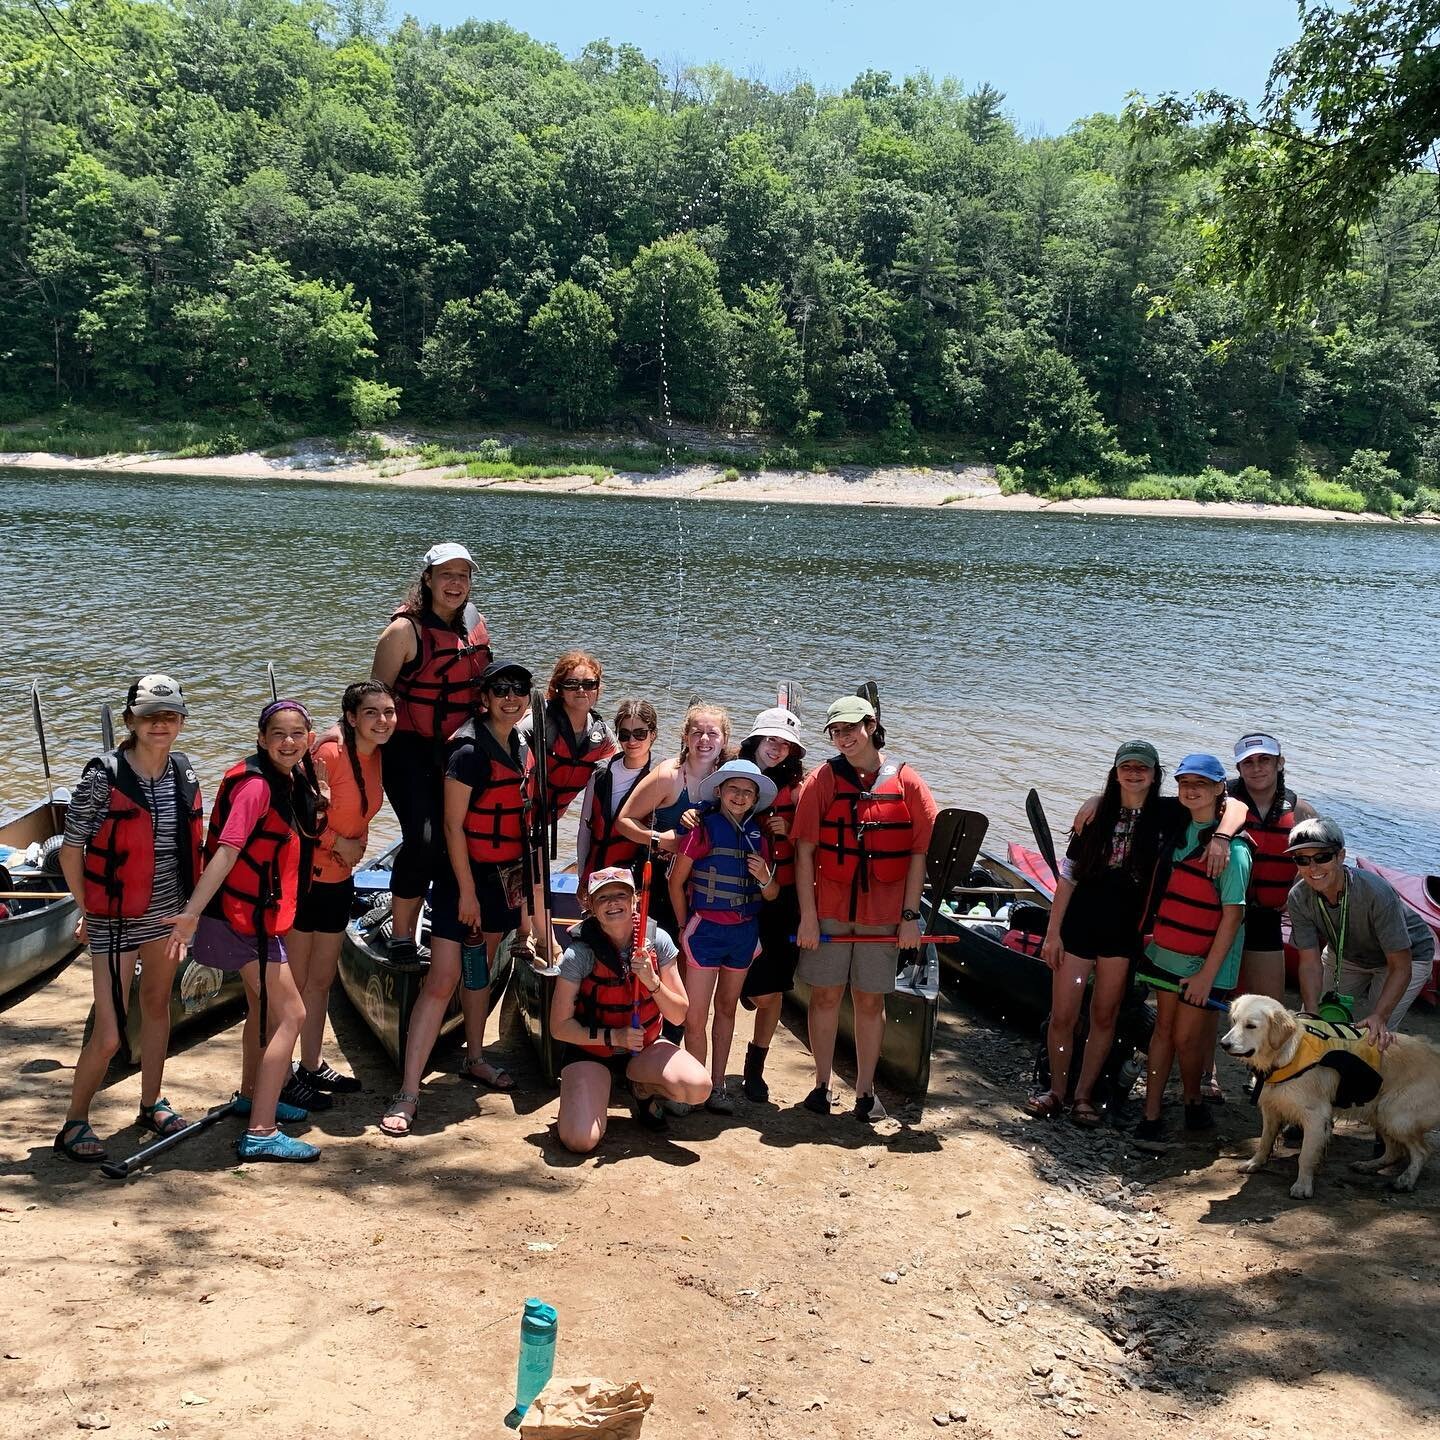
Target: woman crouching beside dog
(610,998)
(1198,937)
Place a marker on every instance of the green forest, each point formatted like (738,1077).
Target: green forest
(267,211)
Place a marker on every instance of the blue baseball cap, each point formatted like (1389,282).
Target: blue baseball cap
(1207,767)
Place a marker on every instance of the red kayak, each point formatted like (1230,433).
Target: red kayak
(1031,864)
(1421,893)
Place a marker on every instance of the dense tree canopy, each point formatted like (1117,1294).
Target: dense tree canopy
(278,206)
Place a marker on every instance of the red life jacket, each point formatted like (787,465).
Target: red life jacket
(120,860)
(495,820)
(1190,910)
(782,847)
(264,883)
(1273,872)
(607,845)
(437,690)
(571,759)
(609,997)
(866,835)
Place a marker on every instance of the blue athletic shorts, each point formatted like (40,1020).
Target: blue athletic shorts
(714,946)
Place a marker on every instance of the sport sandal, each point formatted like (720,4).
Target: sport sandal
(75,1133)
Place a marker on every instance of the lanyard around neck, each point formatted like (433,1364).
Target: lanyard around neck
(1337,937)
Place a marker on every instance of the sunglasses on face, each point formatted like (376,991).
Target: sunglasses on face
(574,685)
(501,689)
(1316,857)
(626,736)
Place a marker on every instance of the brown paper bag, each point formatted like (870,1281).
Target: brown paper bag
(565,1409)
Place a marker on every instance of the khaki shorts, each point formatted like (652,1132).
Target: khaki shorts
(862,967)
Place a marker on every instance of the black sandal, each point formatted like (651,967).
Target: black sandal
(73,1134)
(161,1119)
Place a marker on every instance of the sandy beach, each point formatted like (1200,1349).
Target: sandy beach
(776,1275)
(956,488)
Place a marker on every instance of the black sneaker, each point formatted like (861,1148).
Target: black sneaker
(299,1093)
(869,1108)
(1198,1116)
(820,1100)
(649,1112)
(326,1077)
(1150,1129)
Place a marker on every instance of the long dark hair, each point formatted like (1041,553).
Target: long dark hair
(420,602)
(790,771)
(1090,849)
(350,703)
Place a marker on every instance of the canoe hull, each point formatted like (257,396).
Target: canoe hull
(198,990)
(33,940)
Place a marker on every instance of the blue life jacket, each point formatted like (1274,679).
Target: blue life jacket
(722,880)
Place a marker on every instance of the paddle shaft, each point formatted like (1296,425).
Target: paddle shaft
(122,1169)
(38,716)
(35,895)
(1156,983)
(884,939)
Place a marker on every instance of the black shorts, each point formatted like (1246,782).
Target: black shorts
(772,972)
(1262,928)
(326,906)
(497,914)
(414,779)
(615,1064)
(1103,918)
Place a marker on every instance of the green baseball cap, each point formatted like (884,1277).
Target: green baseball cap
(1141,750)
(849,710)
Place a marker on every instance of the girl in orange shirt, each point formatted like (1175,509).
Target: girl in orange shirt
(347,760)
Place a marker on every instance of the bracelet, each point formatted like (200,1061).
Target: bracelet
(651,989)
(609,1043)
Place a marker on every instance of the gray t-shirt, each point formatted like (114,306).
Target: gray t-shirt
(1376,921)
(579,959)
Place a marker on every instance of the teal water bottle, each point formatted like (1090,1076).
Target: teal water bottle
(474,961)
(537,1352)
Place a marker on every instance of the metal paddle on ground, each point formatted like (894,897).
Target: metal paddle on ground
(123,1169)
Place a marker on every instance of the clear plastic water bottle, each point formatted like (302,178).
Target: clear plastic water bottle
(537,1352)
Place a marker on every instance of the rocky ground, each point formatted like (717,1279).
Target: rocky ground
(959,1267)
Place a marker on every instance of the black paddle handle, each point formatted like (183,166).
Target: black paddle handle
(122,1169)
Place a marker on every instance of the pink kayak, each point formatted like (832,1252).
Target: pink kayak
(1031,864)
(1422,894)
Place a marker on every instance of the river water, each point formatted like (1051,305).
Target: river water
(1010,650)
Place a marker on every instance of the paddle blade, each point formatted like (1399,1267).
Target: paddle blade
(788,697)
(270,674)
(1040,826)
(37,715)
(871,691)
(107,728)
(954,847)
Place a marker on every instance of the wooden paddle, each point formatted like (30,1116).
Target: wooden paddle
(34,894)
(1040,826)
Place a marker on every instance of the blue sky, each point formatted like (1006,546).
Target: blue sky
(1056,60)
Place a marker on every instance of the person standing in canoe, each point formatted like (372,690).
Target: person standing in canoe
(862,826)
(347,763)
(431,655)
(774,745)
(1197,938)
(257,852)
(477,899)
(1271,813)
(656,810)
(577,738)
(610,998)
(131,857)
(599,843)
(718,882)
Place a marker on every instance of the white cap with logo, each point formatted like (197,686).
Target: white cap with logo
(156,695)
(1257,743)
(447,550)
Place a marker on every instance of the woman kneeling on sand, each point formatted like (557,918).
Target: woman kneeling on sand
(609,1000)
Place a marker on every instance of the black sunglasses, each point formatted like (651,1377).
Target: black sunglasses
(625,735)
(586,685)
(1317,857)
(501,688)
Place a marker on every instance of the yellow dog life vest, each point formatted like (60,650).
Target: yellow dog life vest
(1343,1048)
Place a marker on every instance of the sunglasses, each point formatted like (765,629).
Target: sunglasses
(573,685)
(626,736)
(500,689)
(1317,857)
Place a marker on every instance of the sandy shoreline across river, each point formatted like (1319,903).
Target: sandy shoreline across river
(954,488)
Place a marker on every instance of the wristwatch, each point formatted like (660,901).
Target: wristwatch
(909,914)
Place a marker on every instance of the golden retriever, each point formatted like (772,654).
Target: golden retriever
(1266,1036)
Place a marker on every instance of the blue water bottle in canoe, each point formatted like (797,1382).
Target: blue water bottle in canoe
(537,1352)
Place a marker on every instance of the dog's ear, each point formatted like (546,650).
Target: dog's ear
(1279,1026)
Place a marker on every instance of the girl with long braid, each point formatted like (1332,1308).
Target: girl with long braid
(347,762)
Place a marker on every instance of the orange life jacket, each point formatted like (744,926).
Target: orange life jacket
(607,845)
(609,997)
(346,814)
(263,885)
(866,835)
(437,690)
(495,820)
(1273,872)
(571,759)
(120,860)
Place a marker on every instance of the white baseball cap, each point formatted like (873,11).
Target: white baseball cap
(1257,743)
(448,550)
